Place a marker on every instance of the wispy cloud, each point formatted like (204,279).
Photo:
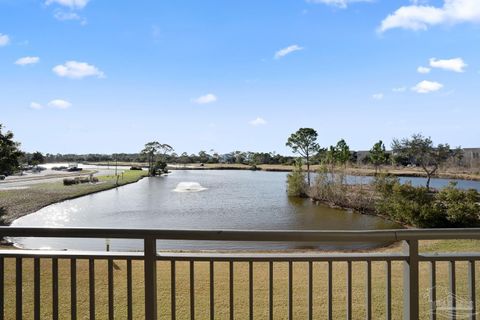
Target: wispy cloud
(421,17)
(399,89)
(338,3)
(72,4)
(258,122)
(423,70)
(4,39)
(27,60)
(36,105)
(205,99)
(77,70)
(61,15)
(59,104)
(285,51)
(427,86)
(377,96)
(455,65)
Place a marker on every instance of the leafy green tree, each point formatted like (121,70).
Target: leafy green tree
(37,158)
(342,152)
(296,186)
(421,151)
(378,155)
(152,150)
(304,142)
(10,153)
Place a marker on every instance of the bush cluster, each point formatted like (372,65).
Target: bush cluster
(330,187)
(296,183)
(79,180)
(421,207)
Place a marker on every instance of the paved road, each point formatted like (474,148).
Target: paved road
(49,176)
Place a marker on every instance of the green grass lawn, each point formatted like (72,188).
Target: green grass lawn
(16,203)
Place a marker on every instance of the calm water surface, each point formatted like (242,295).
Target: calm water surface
(230,200)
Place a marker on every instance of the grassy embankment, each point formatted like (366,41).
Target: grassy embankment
(19,202)
(240,288)
(450,173)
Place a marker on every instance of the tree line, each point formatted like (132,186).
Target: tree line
(416,150)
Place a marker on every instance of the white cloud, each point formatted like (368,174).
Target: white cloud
(337,3)
(421,17)
(73,4)
(61,15)
(258,122)
(283,52)
(427,86)
(4,39)
(423,70)
(456,65)
(208,98)
(399,89)
(77,70)
(36,105)
(27,60)
(59,104)
(377,96)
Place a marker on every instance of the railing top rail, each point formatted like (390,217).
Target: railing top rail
(244,235)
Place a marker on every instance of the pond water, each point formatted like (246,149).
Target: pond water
(242,200)
(210,199)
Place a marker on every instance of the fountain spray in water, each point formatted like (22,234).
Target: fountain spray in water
(189,187)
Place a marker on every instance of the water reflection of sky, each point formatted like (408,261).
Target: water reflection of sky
(232,200)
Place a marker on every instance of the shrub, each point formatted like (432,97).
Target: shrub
(296,185)
(461,207)
(136,168)
(450,207)
(69,181)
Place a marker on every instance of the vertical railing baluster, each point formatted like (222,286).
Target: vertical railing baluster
(91,287)
(270,290)
(330,291)
(471,289)
(452,288)
(433,290)
(192,290)
(129,290)
(150,274)
(73,289)
(388,289)
(368,293)
(310,290)
(349,290)
(410,281)
(111,314)
(290,290)
(232,288)
(18,288)
(36,288)
(2,289)
(173,295)
(212,290)
(250,291)
(55,289)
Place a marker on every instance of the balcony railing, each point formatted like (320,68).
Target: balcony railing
(273,285)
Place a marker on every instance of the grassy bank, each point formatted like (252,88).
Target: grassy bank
(450,173)
(19,202)
(241,284)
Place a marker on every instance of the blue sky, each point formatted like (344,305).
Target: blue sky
(79,76)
